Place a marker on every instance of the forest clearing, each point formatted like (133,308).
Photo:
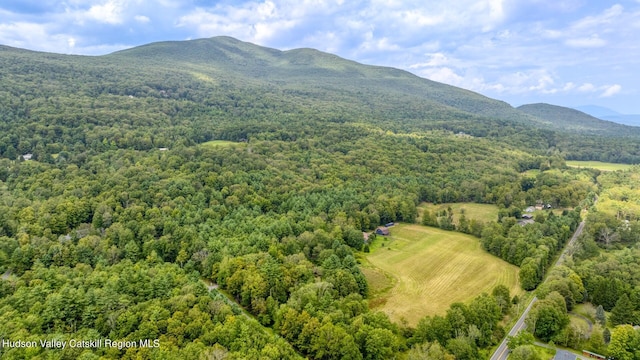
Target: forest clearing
(602,166)
(483,213)
(427,269)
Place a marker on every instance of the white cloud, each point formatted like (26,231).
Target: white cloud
(25,35)
(537,80)
(608,17)
(587,87)
(110,12)
(378,44)
(436,59)
(418,18)
(544,84)
(142,19)
(605,90)
(255,22)
(593,41)
(263,31)
(610,90)
(444,75)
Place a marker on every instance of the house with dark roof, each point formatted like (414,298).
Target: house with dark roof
(382,230)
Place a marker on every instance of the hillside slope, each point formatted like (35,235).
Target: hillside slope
(563,118)
(222,88)
(309,68)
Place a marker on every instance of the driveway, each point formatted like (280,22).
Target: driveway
(564,355)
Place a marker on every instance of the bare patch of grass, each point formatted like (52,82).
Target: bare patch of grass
(603,166)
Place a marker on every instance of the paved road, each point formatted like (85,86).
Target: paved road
(571,243)
(502,352)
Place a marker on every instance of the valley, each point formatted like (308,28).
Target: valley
(129,182)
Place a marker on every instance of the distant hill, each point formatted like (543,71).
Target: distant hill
(597,111)
(631,120)
(570,119)
(610,115)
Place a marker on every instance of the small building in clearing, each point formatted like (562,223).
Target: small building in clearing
(382,230)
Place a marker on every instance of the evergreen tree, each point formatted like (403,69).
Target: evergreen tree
(601,317)
(623,312)
(606,335)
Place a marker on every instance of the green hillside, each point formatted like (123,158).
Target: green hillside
(228,57)
(187,89)
(563,118)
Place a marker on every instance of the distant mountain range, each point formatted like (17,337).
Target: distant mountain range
(604,113)
(564,118)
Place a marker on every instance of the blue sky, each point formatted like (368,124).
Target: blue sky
(563,52)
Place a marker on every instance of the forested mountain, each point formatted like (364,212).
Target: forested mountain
(181,88)
(610,115)
(121,207)
(568,119)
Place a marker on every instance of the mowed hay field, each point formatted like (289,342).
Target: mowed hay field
(602,166)
(422,270)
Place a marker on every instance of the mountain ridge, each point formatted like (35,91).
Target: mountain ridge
(298,64)
(224,88)
(295,63)
(572,119)
(604,113)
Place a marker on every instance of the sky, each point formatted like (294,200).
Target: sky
(562,52)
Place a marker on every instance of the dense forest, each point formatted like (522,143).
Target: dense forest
(607,260)
(599,283)
(125,217)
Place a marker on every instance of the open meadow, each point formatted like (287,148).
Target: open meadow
(220,143)
(419,271)
(481,212)
(603,166)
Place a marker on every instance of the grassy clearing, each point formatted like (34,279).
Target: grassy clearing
(579,323)
(587,310)
(219,143)
(420,271)
(481,212)
(544,353)
(531,173)
(603,166)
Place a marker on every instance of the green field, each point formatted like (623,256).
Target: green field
(599,165)
(587,310)
(220,143)
(480,212)
(419,271)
